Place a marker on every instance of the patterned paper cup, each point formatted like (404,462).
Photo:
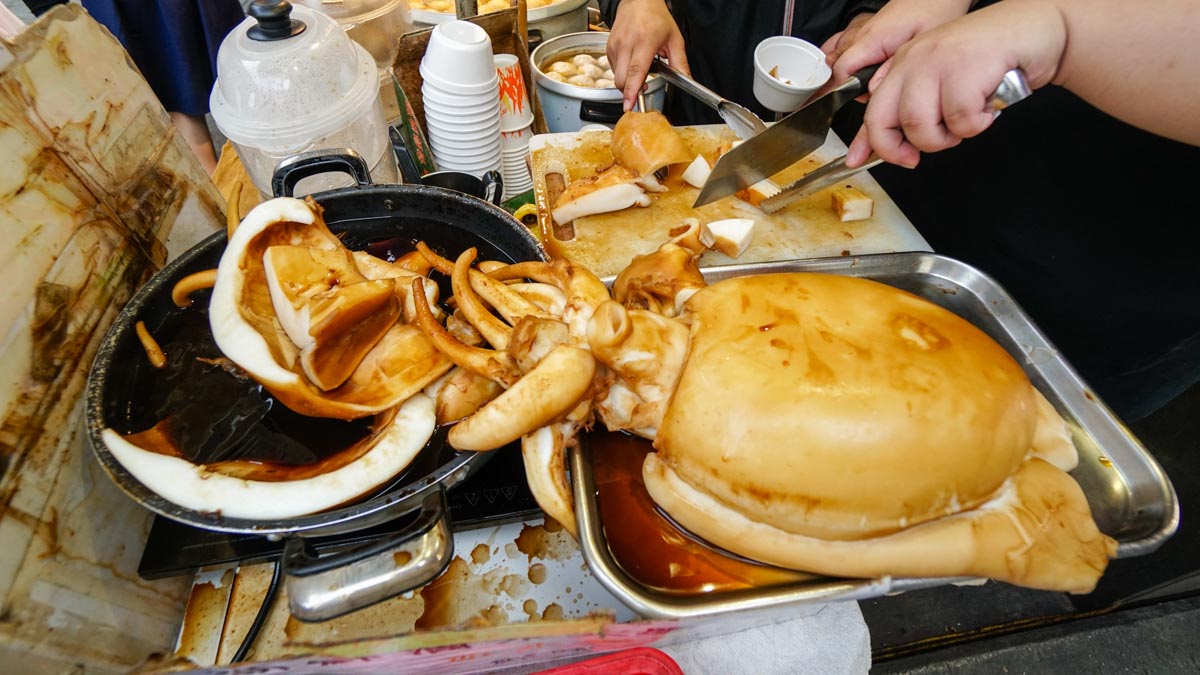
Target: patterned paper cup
(515,111)
(517,139)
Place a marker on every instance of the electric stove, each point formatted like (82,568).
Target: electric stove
(498,493)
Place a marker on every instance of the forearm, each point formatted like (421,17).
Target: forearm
(1137,61)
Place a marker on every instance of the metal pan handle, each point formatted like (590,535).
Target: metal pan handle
(324,587)
(603,112)
(295,169)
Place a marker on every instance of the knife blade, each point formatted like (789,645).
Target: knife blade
(782,144)
(1013,88)
(814,181)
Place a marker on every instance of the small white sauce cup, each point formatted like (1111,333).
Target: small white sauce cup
(800,68)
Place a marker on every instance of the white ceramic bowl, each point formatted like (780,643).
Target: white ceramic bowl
(800,70)
(476,170)
(473,165)
(471,121)
(470,164)
(460,113)
(454,87)
(459,52)
(451,102)
(458,135)
(464,148)
(471,128)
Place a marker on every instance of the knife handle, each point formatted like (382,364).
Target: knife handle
(863,78)
(1013,88)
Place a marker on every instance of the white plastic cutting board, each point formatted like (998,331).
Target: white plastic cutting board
(807,228)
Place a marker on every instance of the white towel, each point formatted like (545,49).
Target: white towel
(832,641)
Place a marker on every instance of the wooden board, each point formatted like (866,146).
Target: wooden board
(806,229)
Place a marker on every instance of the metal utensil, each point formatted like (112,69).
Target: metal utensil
(1013,88)
(742,120)
(815,181)
(786,142)
(1130,495)
(797,135)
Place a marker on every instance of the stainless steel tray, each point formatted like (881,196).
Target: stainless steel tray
(1131,498)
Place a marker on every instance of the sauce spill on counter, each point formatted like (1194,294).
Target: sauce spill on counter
(649,547)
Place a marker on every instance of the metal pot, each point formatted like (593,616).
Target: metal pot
(319,587)
(568,108)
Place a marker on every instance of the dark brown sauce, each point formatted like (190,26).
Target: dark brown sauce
(648,546)
(202,408)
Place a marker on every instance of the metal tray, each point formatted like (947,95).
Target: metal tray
(1130,496)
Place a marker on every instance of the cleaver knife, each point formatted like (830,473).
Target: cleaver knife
(782,144)
(797,135)
(1013,89)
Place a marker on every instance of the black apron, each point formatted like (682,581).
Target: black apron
(1089,223)
(721,36)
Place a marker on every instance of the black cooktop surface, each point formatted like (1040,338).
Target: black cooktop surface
(497,493)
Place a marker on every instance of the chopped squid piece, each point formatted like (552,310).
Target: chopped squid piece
(645,142)
(696,174)
(612,190)
(153,352)
(730,236)
(756,194)
(190,284)
(852,204)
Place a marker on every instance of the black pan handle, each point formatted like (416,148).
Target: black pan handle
(493,187)
(321,587)
(409,172)
(295,169)
(604,112)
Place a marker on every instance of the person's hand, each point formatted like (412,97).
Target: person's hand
(936,91)
(641,29)
(873,38)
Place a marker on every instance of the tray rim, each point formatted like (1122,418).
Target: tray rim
(656,604)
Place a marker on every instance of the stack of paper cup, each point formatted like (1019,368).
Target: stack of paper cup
(461,91)
(516,126)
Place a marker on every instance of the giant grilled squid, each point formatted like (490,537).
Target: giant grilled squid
(816,422)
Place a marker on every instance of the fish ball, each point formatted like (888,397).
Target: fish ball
(581,81)
(603,61)
(591,70)
(604,83)
(557,77)
(563,68)
(581,60)
(608,75)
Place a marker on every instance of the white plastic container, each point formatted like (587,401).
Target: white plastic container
(787,72)
(289,80)
(376,25)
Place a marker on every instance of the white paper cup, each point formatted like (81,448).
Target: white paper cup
(517,138)
(799,67)
(515,111)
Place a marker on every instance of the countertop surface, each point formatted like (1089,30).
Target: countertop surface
(1136,619)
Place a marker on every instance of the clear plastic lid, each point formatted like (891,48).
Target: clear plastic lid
(355,11)
(286,88)
(375,24)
